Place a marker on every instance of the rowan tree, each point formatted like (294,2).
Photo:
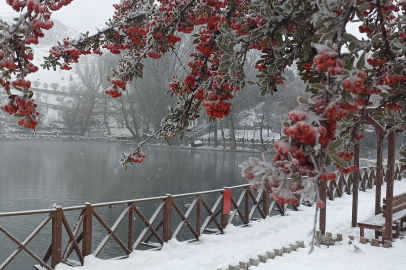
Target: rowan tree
(343,72)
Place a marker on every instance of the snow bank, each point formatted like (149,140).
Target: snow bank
(215,251)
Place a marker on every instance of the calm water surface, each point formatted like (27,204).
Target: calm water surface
(35,174)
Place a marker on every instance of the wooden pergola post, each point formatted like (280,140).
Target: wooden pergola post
(323,211)
(355,187)
(389,186)
(379,169)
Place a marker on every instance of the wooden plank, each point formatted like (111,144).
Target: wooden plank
(212,216)
(323,211)
(111,232)
(148,224)
(72,239)
(389,185)
(198,213)
(184,218)
(87,230)
(69,247)
(57,237)
(22,246)
(130,241)
(355,188)
(167,226)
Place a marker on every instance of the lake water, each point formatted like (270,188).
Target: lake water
(35,174)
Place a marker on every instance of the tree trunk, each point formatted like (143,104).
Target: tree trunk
(222,136)
(125,118)
(233,143)
(88,116)
(215,143)
(135,125)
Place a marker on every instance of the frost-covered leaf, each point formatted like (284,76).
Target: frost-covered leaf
(340,162)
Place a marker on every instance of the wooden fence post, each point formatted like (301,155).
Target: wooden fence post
(87,230)
(198,214)
(379,144)
(265,199)
(390,172)
(167,226)
(355,187)
(224,217)
(131,228)
(57,237)
(246,203)
(323,211)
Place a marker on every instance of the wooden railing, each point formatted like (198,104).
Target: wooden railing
(203,215)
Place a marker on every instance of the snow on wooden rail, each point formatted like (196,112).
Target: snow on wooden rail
(204,214)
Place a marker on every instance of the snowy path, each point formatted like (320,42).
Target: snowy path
(238,244)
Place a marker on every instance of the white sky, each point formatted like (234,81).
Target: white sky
(81,15)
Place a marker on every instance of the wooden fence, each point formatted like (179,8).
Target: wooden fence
(203,215)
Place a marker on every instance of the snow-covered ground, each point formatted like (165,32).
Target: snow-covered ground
(237,244)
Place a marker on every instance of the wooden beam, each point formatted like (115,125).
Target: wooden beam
(323,211)
(379,139)
(389,186)
(355,188)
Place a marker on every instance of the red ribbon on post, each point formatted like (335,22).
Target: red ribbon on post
(226,201)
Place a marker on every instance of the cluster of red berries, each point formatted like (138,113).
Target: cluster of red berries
(9,108)
(375,62)
(327,176)
(351,169)
(21,83)
(327,61)
(301,161)
(388,80)
(217,108)
(8,64)
(365,29)
(28,122)
(120,83)
(283,197)
(356,85)
(393,107)
(25,107)
(6,85)
(154,55)
(347,156)
(114,93)
(137,157)
(16,5)
(43,24)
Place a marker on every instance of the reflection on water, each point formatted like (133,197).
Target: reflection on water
(37,174)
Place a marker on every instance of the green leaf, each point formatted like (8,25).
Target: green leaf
(349,63)
(328,160)
(303,100)
(364,6)
(384,95)
(151,3)
(340,162)
(335,144)
(252,83)
(361,61)
(350,38)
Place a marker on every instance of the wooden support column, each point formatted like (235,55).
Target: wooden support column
(131,227)
(198,214)
(355,187)
(87,230)
(265,197)
(167,224)
(323,211)
(57,237)
(379,146)
(390,171)
(224,217)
